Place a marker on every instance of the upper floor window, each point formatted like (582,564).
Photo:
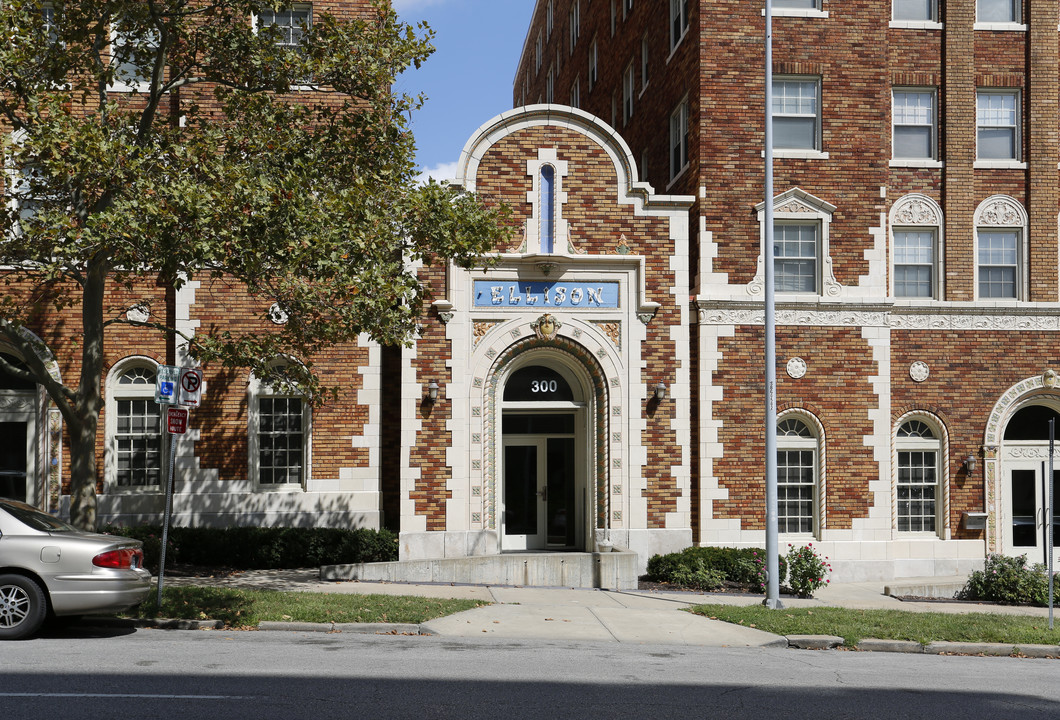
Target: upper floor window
(997,11)
(915,125)
(796,114)
(132,57)
(627,8)
(628,90)
(1001,252)
(290,24)
(916,224)
(537,53)
(796,248)
(575,94)
(548,20)
(592,64)
(797,4)
(915,10)
(550,86)
(678,21)
(575,23)
(679,139)
(997,125)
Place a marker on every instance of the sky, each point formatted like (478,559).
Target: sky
(468,79)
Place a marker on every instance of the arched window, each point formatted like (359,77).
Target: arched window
(134,426)
(797,467)
(916,257)
(1001,249)
(918,448)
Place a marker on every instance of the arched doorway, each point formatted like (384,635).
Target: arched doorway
(1026,484)
(544,464)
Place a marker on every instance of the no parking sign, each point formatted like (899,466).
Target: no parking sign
(189,391)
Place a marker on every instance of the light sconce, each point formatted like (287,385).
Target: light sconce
(969,463)
(660,391)
(432,391)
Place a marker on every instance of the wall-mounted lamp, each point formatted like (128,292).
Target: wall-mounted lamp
(432,391)
(660,391)
(969,463)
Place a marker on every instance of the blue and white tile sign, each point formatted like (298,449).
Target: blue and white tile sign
(493,293)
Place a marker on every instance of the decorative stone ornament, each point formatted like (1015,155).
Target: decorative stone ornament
(1050,379)
(138,314)
(919,371)
(278,315)
(546,327)
(796,367)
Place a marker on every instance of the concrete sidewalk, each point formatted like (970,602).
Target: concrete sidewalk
(642,617)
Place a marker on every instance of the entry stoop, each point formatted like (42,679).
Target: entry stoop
(615,570)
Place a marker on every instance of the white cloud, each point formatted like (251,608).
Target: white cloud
(444,171)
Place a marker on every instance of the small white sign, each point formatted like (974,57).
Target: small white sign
(190,390)
(166,379)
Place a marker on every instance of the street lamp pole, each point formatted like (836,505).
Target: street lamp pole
(772,541)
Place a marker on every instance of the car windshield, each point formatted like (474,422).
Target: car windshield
(34,518)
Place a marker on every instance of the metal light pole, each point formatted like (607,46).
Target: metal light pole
(772,544)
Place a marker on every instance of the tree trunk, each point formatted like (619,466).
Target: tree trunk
(83,473)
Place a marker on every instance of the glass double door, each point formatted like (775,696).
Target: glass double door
(1027,503)
(14,437)
(540,483)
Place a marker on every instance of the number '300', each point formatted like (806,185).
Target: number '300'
(543,386)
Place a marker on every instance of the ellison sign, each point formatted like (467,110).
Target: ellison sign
(491,293)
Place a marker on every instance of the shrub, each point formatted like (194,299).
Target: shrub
(1008,580)
(807,571)
(705,568)
(260,548)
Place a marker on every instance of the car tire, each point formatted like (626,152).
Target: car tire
(23,607)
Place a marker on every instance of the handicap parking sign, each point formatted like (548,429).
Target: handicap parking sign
(166,384)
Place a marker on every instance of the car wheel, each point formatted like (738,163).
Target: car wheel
(22,607)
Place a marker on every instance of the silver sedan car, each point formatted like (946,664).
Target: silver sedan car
(48,567)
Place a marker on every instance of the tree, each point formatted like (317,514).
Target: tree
(277,157)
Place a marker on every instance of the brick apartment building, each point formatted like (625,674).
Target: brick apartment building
(916,214)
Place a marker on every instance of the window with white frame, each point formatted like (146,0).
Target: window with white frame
(135,428)
(278,436)
(998,11)
(796,113)
(592,64)
(915,10)
(548,19)
(1001,249)
(918,450)
(550,86)
(796,476)
(628,90)
(999,263)
(576,94)
(679,139)
(678,21)
(997,125)
(291,24)
(915,124)
(915,255)
(644,63)
(614,16)
(796,248)
(575,24)
(132,58)
(797,4)
(627,8)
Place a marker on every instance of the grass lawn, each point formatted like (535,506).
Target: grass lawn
(241,607)
(853,625)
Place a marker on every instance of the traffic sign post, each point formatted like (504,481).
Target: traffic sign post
(174,386)
(190,391)
(166,379)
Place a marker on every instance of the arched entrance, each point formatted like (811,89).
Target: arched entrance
(544,464)
(1025,480)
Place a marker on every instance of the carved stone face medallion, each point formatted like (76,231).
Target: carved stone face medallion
(546,327)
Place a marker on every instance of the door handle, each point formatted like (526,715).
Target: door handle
(1039,513)
(543,492)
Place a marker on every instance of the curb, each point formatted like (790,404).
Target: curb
(362,628)
(814,642)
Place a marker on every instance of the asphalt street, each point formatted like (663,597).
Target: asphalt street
(123,673)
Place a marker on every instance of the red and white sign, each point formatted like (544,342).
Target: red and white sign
(190,390)
(177,420)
